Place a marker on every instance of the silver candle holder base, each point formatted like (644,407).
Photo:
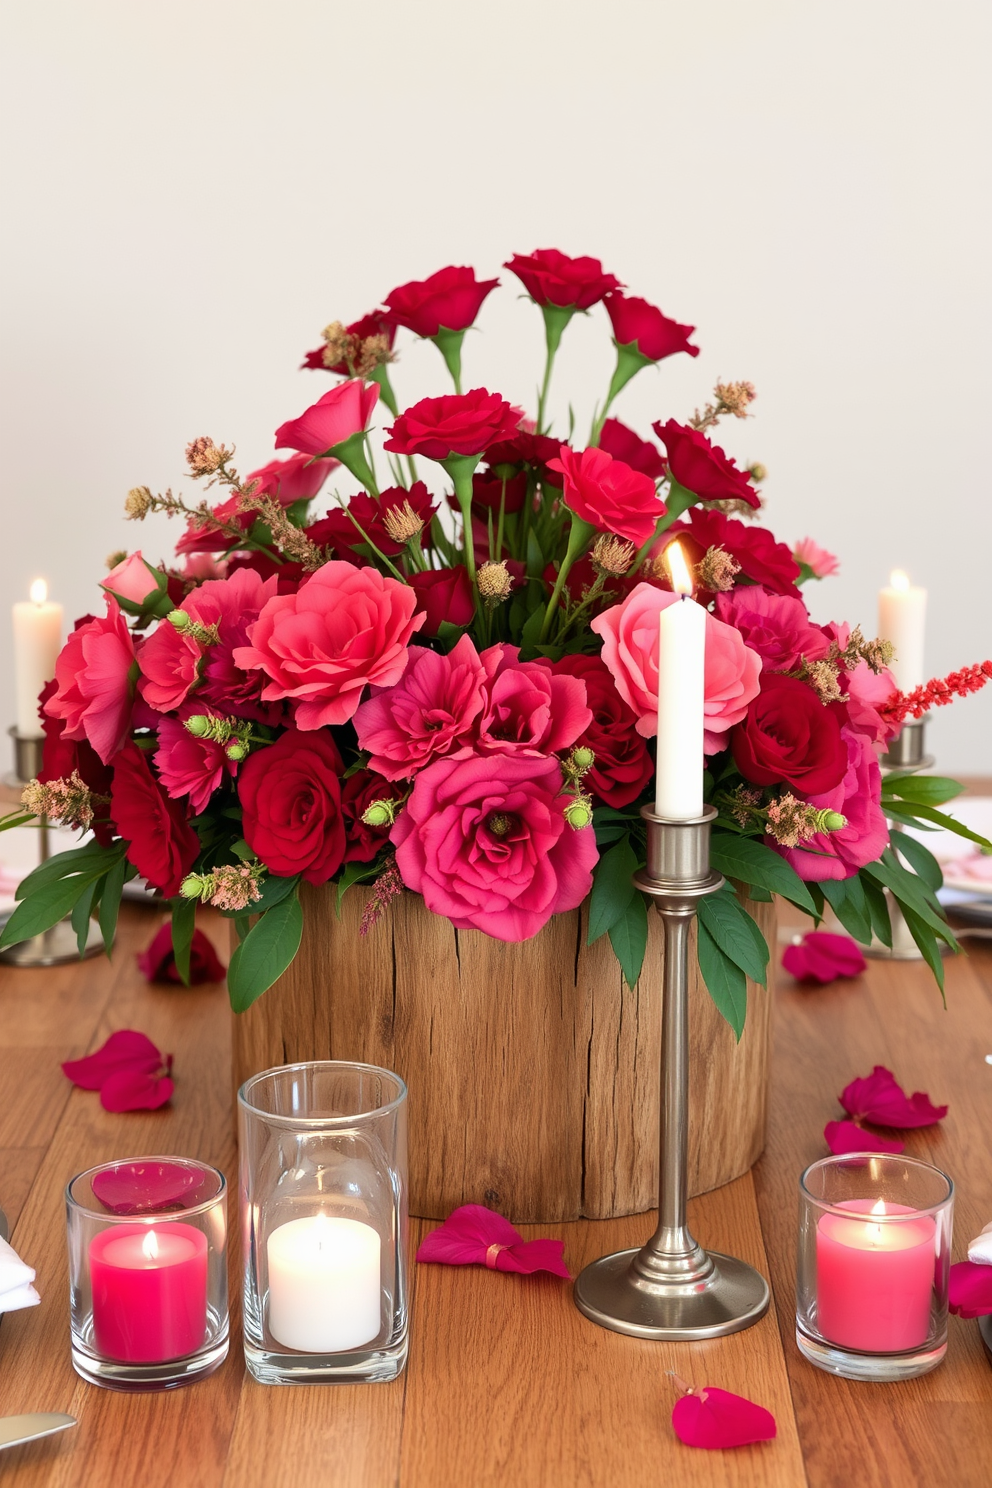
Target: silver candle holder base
(671,1288)
(906,753)
(59,944)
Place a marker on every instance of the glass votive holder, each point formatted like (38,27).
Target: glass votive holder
(324,1222)
(874,1258)
(147,1272)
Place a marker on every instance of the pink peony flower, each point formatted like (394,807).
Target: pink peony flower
(608,494)
(865,838)
(484,840)
(432,711)
(344,629)
(190,767)
(95,682)
(335,417)
(815,558)
(528,706)
(130,579)
(630,650)
(774,625)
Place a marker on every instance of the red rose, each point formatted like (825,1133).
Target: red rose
(456,424)
(374,324)
(790,737)
(703,468)
(761,558)
(158,963)
(161,845)
(291,795)
(449,300)
(653,335)
(623,764)
(608,495)
(363,842)
(333,419)
(445,594)
(623,444)
(552,278)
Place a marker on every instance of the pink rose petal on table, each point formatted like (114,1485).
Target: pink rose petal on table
(970,1290)
(125,1049)
(715,1418)
(140,1187)
(476,1236)
(878,1097)
(822,957)
(136,1090)
(847,1136)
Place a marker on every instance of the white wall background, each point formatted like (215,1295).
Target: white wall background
(192,190)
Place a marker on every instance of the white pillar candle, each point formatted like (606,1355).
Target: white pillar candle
(324,1284)
(681,671)
(37,641)
(902,614)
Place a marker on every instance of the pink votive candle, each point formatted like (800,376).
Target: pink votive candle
(874,1281)
(149,1291)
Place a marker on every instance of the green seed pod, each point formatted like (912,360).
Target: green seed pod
(192,886)
(179,619)
(198,725)
(236,750)
(578,815)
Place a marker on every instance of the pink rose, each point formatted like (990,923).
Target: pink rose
(867,691)
(131,579)
(608,495)
(819,562)
(297,479)
(529,707)
(430,712)
(190,767)
(484,840)
(866,836)
(334,418)
(344,629)
(775,625)
(94,676)
(630,650)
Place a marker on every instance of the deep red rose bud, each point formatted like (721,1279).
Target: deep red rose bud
(458,424)
(653,335)
(291,795)
(552,278)
(623,444)
(703,468)
(790,736)
(449,300)
(445,594)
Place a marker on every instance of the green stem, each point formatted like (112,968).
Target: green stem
(578,540)
(499,528)
(629,363)
(461,469)
(449,344)
(556,318)
(528,515)
(351,453)
(380,555)
(381,376)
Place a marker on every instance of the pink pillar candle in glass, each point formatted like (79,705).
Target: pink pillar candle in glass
(149,1287)
(874,1281)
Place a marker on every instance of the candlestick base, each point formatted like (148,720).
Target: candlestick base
(881,1368)
(52,948)
(729,1297)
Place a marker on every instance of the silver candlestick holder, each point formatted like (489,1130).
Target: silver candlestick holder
(59,944)
(907,753)
(671,1288)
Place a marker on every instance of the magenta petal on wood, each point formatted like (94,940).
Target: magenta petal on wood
(969,1292)
(476,1236)
(878,1097)
(847,1136)
(715,1418)
(822,957)
(135,1090)
(126,1049)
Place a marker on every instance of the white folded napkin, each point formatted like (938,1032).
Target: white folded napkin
(15,1281)
(980,1249)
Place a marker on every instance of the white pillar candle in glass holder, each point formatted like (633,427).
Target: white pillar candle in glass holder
(324,1286)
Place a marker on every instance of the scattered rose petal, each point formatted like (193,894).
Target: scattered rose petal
(847,1136)
(141,1187)
(476,1236)
(822,957)
(980,1249)
(969,1292)
(715,1418)
(158,962)
(877,1097)
(126,1049)
(136,1090)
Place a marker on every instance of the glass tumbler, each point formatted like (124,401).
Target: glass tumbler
(147,1272)
(873,1265)
(324,1222)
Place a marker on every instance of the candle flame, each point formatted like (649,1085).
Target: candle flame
(149,1246)
(678,568)
(876,1232)
(879,1208)
(899,579)
(320,1228)
(38,592)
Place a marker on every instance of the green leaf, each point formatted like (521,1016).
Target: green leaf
(16,819)
(110,901)
(725,982)
(77,860)
(265,952)
(752,862)
(949,823)
(927,943)
(531,633)
(758,894)
(81,912)
(878,910)
(629,938)
(242,925)
(183,925)
(353,873)
(723,918)
(612,889)
(925,790)
(274,891)
(51,903)
(919,858)
(850,906)
(911,892)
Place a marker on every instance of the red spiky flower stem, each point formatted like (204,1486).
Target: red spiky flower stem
(936,693)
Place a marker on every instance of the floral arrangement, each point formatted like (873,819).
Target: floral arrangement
(448,683)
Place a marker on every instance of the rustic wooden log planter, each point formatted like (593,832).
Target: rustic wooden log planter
(533,1070)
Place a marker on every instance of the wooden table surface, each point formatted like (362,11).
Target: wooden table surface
(506,1384)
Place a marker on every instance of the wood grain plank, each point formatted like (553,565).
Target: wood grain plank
(18,1169)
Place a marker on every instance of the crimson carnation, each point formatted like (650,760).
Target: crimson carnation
(489,492)
(623,444)
(455,424)
(160,843)
(552,278)
(702,467)
(445,595)
(790,736)
(762,559)
(653,335)
(449,300)
(608,495)
(290,792)
(522,449)
(623,763)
